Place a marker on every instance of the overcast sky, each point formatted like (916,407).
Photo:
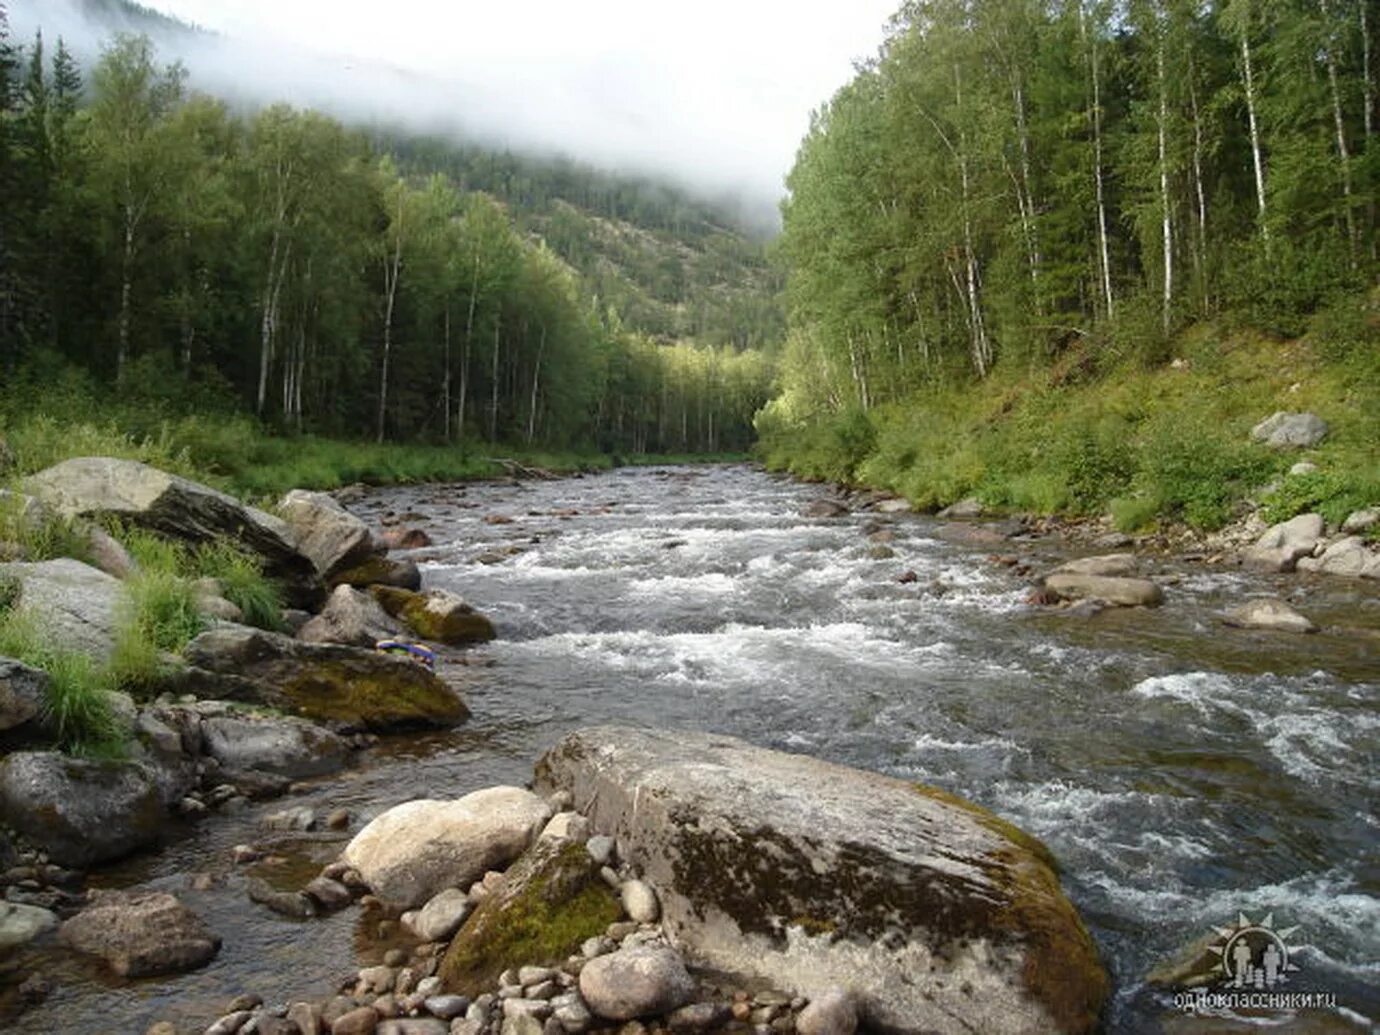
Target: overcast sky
(716,93)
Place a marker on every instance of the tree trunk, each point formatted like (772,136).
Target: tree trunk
(1200,253)
(1339,123)
(126,278)
(1167,227)
(493,394)
(1256,159)
(536,376)
(1104,252)
(445,381)
(267,322)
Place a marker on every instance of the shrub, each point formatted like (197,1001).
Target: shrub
(1334,495)
(1134,513)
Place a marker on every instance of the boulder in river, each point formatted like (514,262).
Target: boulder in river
(23,693)
(1113,564)
(1284,430)
(141,933)
(343,686)
(21,924)
(350,617)
(326,532)
(74,604)
(404,538)
(1281,546)
(1269,613)
(286,746)
(103,487)
(380,571)
(810,875)
(80,811)
(437,614)
(419,848)
(1122,592)
(1349,556)
(824,509)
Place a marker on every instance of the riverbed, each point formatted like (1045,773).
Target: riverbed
(1182,772)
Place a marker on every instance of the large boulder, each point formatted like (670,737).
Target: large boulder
(326,532)
(1269,613)
(1110,564)
(1297,430)
(810,876)
(546,905)
(351,617)
(141,933)
(1350,556)
(1282,545)
(437,614)
(75,604)
(23,693)
(77,810)
(102,487)
(380,571)
(1121,592)
(289,747)
(345,687)
(636,982)
(419,848)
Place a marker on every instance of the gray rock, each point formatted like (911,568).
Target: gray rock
(75,604)
(538,1008)
(808,875)
(600,848)
(639,902)
(230,1024)
(1298,430)
(567,826)
(292,904)
(520,1024)
(1303,467)
(20,924)
(574,1016)
(1123,592)
(329,894)
(299,817)
(1281,546)
(1269,613)
(637,982)
(97,487)
(824,509)
(833,1013)
(414,1026)
(968,507)
(1111,564)
(442,916)
(286,746)
(1361,521)
(108,554)
(141,933)
(1350,556)
(893,506)
(446,1007)
(80,811)
(699,1017)
(363,1020)
(351,617)
(307,1017)
(534,975)
(418,849)
(23,693)
(332,537)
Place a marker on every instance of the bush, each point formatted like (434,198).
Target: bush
(1334,495)
(1197,472)
(1134,513)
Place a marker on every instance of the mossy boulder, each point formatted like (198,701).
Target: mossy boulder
(941,916)
(437,615)
(343,687)
(550,901)
(379,570)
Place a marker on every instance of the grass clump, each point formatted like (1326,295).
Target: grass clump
(160,616)
(38,535)
(242,582)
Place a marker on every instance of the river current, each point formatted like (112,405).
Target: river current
(1183,773)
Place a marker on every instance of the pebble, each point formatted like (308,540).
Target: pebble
(245,854)
(338,819)
(538,1008)
(363,1021)
(534,975)
(162,1028)
(596,946)
(329,893)
(600,849)
(640,902)
(621,929)
(542,990)
(446,1007)
(610,877)
(509,977)
(377,979)
(431,986)
(574,1017)
(230,1023)
(636,983)
(406,981)
(699,1017)
(414,1026)
(521,1024)
(465,1026)
(394,958)
(248,1001)
(307,1017)
(336,1009)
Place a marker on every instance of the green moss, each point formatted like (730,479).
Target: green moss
(373,697)
(551,901)
(378,571)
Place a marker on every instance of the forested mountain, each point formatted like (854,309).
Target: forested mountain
(351,283)
(1009,179)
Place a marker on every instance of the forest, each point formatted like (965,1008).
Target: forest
(1018,209)
(164,251)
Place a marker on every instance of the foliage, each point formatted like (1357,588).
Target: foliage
(1333,494)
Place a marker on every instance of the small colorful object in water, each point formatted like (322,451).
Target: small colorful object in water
(424,656)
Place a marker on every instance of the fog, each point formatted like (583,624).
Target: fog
(714,96)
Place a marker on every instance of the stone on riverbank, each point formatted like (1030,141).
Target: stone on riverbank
(1108,564)
(1350,556)
(80,811)
(965,509)
(437,615)
(940,915)
(350,617)
(637,982)
(343,686)
(289,747)
(1122,592)
(73,603)
(1281,546)
(125,490)
(141,933)
(1269,613)
(21,924)
(419,848)
(332,537)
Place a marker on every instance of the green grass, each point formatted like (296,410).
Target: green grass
(39,539)
(159,616)
(78,711)
(242,582)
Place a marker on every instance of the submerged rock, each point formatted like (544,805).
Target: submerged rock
(809,875)
(419,848)
(286,746)
(21,924)
(141,933)
(344,686)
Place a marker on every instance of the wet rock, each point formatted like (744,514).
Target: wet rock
(74,604)
(230,1023)
(292,904)
(21,924)
(338,819)
(1113,564)
(332,537)
(808,875)
(350,617)
(1269,613)
(330,895)
(80,811)
(23,693)
(446,1007)
(299,817)
(835,1012)
(141,933)
(442,915)
(288,747)
(824,509)
(101,487)
(380,571)
(437,615)
(417,849)
(1350,556)
(639,902)
(1123,592)
(699,1017)
(966,508)
(1113,541)
(1283,430)
(1280,547)
(637,982)
(404,538)
(346,686)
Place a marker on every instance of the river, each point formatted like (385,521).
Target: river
(1182,772)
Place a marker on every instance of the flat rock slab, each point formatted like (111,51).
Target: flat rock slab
(812,876)
(141,933)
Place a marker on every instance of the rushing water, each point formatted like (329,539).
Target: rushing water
(1182,772)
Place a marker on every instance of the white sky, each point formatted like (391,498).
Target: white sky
(715,92)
